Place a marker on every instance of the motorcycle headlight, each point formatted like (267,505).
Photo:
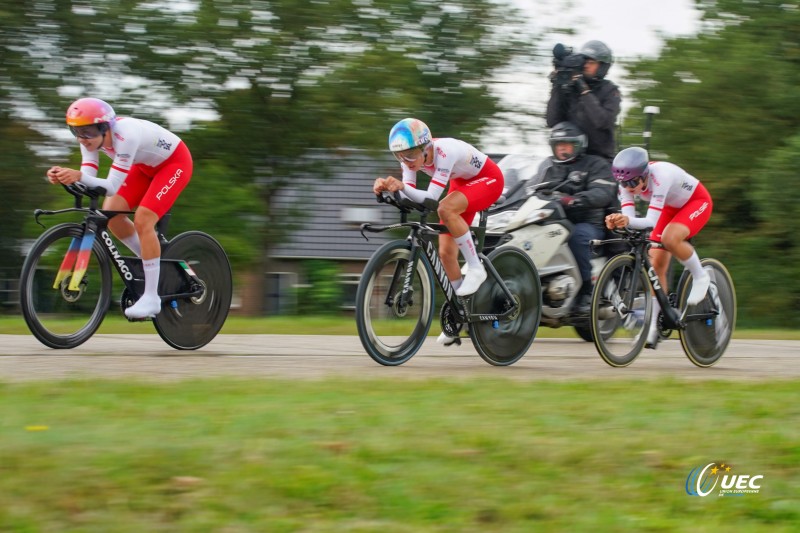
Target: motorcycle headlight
(499,220)
(538,215)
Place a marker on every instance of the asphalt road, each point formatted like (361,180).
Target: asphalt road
(147,357)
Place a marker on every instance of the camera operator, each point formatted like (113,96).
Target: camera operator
(588,190)
(581,94)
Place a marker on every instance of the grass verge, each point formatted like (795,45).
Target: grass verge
(415,456)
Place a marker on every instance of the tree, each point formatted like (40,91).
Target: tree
(282,77)
(730,114)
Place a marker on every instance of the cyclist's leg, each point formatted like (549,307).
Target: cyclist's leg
(122,226)
(168,180)
(448,253)
(660,259)
(686,223)
(466,198)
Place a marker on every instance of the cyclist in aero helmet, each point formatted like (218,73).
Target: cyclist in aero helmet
(150,167)
(679,207)
(476,182)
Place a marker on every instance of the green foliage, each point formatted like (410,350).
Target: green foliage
(278,78)
(322,293)
(730,115)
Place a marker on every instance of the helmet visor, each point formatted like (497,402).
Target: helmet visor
(409,155)
(631,183)
(90,131)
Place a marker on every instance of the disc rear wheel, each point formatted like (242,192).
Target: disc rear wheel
(505,342)
(705,340)
(191,322)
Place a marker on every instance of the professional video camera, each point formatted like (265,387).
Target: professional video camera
(567,65)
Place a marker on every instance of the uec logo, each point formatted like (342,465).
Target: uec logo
(702,481)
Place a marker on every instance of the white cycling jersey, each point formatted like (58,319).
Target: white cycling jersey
(133,141)
(452,158)
(667,185)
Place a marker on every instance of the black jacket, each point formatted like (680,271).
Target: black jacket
(595,113)
(595,193)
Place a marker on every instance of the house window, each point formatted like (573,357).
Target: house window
(349,287)
(280,293)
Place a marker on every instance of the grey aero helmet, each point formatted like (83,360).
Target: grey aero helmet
(631,163)
(601,53)
(567,132)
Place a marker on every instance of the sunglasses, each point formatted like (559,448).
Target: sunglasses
(90,131)
(409,155)
(631,183)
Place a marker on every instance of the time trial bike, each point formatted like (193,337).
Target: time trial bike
(66,283)
(395,296)
(622,306)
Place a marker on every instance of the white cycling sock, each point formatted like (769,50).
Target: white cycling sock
(467,247)
(133,244)
(694,266)
(152,269)
(457,283)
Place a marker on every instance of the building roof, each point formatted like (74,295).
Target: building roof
(336,206)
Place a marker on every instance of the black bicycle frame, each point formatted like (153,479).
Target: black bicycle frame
(672,320)
(129,268)
(422,242)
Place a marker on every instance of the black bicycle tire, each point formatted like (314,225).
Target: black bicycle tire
(509,335)
(378,351)
(50,339)
(191,324)
(606,275)
(691,345)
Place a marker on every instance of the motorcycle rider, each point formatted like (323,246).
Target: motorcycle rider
(590,101)
(588,191)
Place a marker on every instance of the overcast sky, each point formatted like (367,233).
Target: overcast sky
(631,28)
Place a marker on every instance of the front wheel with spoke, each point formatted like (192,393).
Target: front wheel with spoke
(193,262)
(63,302)
(393,324)
(620,315)
(710,323)
(506,341)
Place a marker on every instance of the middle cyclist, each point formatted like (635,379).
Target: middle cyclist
(476,182)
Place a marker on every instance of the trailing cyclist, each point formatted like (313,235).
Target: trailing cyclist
(150,168)
(476,182)
(679,207)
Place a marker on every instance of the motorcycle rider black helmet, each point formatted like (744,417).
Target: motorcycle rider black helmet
(601,53)
(567,132)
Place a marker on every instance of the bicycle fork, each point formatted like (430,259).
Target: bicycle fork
(76,261)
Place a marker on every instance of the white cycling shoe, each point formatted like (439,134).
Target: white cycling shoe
(472,281)
(699,289)
(446,340)
(652,337)
(145,307)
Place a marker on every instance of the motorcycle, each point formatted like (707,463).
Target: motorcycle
(532,218)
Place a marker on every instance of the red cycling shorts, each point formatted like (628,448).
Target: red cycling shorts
(694,214)
(481,191)
(157,188)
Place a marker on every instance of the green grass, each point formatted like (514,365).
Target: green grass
(328,325)
(393,456)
